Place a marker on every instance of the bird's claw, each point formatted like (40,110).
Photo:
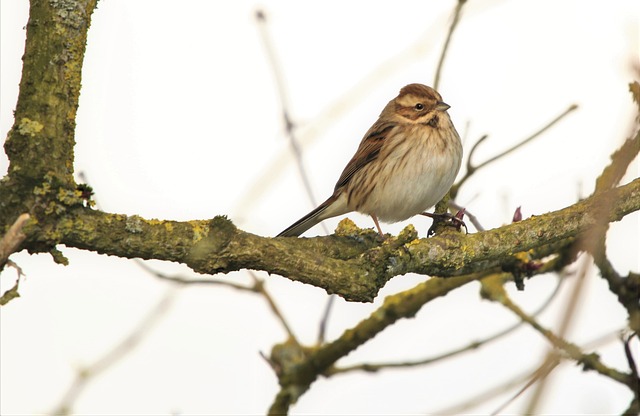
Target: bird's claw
(447,219)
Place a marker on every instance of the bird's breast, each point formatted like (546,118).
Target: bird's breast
(413,174)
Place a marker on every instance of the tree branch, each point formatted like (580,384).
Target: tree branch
(351,263)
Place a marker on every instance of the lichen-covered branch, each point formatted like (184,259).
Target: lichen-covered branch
(42,136)
(41,142)
(352,263)
(591,361)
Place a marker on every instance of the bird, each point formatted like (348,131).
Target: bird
(406,162)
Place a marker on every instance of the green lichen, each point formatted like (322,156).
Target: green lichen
(134,224)
(200,230)
(29,127)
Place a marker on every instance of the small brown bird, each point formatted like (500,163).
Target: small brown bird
(405,163)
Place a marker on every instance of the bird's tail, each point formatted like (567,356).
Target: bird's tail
(329,208)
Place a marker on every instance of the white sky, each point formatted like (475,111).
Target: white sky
(179,119)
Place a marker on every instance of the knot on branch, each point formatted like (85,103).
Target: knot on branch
(214,237)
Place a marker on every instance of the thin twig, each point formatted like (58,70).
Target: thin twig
(445,48)
(517,380)
(118,352)
(12,239)
(472,218)
(471,346)
(624,288)
(180,280)
(594,242)
(591,362)
(286,113)
(630,360)
(489,394)
(259,285)
(325,320)
(550,363)
(530,138)
(342,105)
(471,169)
(9,244)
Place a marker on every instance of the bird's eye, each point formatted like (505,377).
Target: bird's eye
(419,106)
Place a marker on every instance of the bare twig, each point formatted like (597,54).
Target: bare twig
(12,239)
(9,244)
(341,106)
(625,288)
(530,138)
(325,319)
(515,381)
(259,287)
(180,280)
(632,362)
(491,393)
(118,352)
(472,218)
(450,354)
(496,292)
(568,316)
(296,379)
(471,169)
(445,48)
(620,161)
(549,364)
(541,373)
(594,242)
(286,113)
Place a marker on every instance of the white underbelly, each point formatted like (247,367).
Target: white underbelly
(413,189)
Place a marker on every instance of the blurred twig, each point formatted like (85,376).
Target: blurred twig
(119,351)
(89,373)
(452,353)
(471,169)
(297,154)
(259,287)
(445,48)
(467,405)
(525,377)
(594,242)
(541,373)
(9,244)
(474,220)
(337,109)
(284,104)
(12,239)
(325,320)
(494,290)
(297,377)
(627,289)
(567,318)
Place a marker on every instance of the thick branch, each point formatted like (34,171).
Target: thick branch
(42,137)
(353,263)
(40,144)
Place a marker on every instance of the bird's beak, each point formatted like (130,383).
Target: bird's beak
(442,106)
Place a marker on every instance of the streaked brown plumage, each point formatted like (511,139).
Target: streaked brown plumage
(405,163)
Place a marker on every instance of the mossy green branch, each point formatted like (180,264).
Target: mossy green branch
(354,266)
(40,144)
(42,136)
(299,371)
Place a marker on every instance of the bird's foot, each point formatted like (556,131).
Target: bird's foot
(447,219)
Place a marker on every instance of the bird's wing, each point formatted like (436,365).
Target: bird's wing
(367,152)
